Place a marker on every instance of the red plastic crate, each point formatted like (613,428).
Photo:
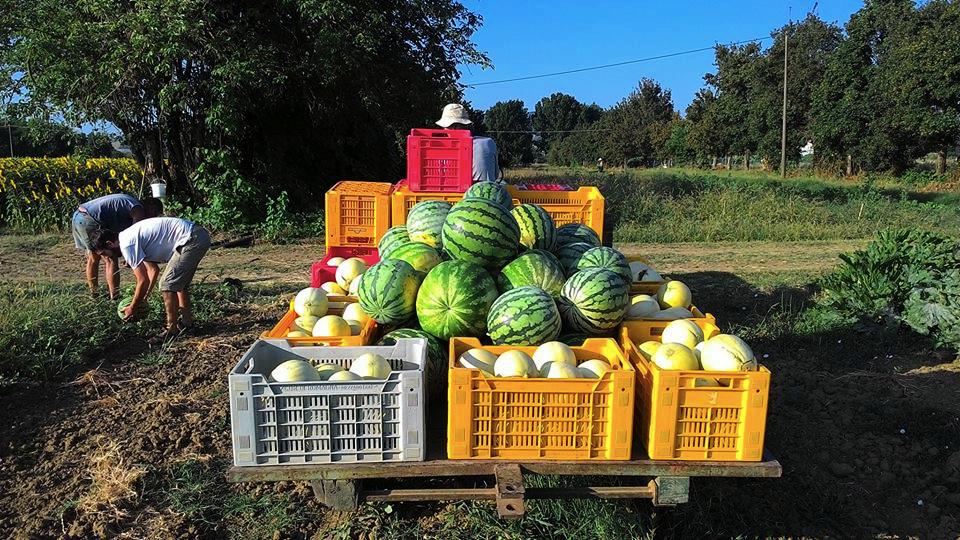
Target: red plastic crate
(439,160)
(321,273)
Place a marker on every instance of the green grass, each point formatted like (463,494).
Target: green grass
(658,206)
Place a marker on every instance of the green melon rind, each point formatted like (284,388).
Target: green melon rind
(537,230)
(392,239)
(388,291)
(492,191)
(576,232)
(420,256)
(524,316)
(606,257)
(425,222)
(569,256)
(594,301)
(454,300)
(535,267)
(481,232)
(436,369)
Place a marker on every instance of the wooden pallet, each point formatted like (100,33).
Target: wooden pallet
(344,485)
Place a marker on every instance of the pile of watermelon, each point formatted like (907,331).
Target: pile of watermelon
(483,268)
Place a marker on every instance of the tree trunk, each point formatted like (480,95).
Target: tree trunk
(849,165)
(729,161)
(941,161)
(746,161)
(714,164)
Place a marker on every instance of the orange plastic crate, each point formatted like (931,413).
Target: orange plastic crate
(541,419)
(641,330)
(682,421)
(584,205)
(358,213)
(366,336)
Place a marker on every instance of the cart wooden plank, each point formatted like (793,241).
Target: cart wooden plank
(769,467)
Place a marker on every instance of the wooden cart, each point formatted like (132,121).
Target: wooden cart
(343,486)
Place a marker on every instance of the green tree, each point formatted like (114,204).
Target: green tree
(292,95)
(925,78)
(855,111)
(677,147)
(705,138)
(508,123)
(633,128)
(559,112)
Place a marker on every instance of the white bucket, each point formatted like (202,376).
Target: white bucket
(159,190)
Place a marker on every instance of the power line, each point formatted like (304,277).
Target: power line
(534,132)
(605,66)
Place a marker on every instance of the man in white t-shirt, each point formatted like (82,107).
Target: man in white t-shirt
(485,160)
(145,244)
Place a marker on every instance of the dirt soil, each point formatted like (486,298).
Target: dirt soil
(867,429)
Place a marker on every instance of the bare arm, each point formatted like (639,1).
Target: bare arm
(143,286)
(153,272)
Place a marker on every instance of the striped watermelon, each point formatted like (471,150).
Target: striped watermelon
(594,301)
(604,257)
(481,232)
(536,226)
(392,239)
(454,300)
(524,316)
(492,191)
(388,291)
(436,369)
(535,267)
(577,232)
(425,222)
(569,256)
(420,256)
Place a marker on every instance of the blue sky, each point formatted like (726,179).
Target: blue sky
(529,37)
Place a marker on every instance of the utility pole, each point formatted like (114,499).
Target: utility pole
(783,131)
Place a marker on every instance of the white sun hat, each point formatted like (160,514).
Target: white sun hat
(454,113)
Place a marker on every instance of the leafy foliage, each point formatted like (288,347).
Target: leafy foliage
(904,276)
(514,142)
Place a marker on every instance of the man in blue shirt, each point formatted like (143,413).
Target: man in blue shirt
(485,165)
(114,213)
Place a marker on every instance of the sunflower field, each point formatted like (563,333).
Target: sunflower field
(41,194)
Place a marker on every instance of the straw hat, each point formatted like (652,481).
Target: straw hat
(453,113)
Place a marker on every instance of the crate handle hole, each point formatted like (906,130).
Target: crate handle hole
(510,488)
(510,507)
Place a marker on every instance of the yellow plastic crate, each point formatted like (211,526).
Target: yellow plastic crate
(366,336)
(585,205)
(357,213)
(403,200)
(541,419)
(682,421)
(641,330)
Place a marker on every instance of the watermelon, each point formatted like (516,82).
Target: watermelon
(425,222)
(420,256)
(492,191)
(605,257)
(535,267)
(388,291)
(392,239)
(436,369)
(524,316)
(573,340)
(536,226)
(594,301)
(577,232)
(481,232)
(454,300)
(569,256)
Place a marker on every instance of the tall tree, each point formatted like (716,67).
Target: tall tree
(559,112)
(854,109)
(508,123)
(633,126)
(705,137)
(291,94)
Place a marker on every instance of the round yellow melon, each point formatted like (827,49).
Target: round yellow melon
(642,306)
(478,359)
(356,313)
(333,288)
(593,369)
(371,366)
(326,370)
(559,370)
(674,294)
(682,331)
(554,351)
(675,357)
(515,364)
(649,348)
(349,270)
(331,326)
(311,301)
(344,376)
(726,352)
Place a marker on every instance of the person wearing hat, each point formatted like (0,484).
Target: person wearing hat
(485,162)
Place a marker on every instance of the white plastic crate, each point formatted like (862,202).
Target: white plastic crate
(322,422)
